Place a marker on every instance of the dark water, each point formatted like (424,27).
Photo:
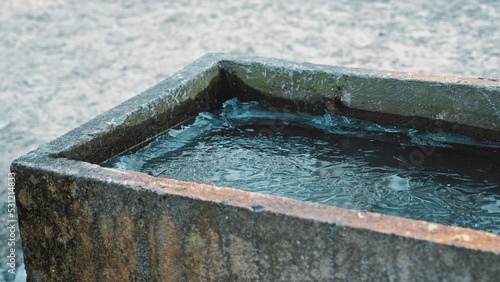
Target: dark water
(332,160)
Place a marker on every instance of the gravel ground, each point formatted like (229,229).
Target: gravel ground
(63,62)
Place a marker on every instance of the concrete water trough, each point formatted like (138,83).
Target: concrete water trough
(80,221)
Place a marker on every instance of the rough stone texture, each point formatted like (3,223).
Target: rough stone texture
(80,221)
(136,227)
(461,102)
(62,62)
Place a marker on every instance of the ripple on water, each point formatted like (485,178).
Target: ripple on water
(331,160)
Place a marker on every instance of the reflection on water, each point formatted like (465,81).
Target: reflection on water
(331,160)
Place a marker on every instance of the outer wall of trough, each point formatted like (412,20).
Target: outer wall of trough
(79,221)
(104,225)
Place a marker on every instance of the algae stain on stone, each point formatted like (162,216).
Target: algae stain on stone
(86,247)
(242,257)
(203,255)
(116,233)
(492,104)
(33,180)
(167,244)
(25,198)
(65,232)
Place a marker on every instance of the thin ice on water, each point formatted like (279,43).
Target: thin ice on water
(333,160)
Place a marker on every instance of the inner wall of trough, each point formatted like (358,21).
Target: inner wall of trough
(124,137)
(227,85)
(321,103)
(247,93)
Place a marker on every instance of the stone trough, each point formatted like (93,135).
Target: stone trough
(83,222)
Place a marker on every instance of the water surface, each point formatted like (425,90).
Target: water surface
(332,160)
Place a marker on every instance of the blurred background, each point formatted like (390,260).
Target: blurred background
(63,62)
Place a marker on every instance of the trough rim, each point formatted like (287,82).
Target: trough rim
(60,157)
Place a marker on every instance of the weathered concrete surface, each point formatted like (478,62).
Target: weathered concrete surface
(80,221)
(462,105)
(107,225)
(188,92)
(63,62)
